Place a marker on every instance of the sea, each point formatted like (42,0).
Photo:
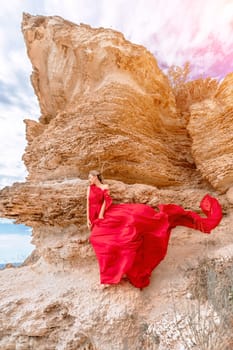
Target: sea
(2,266)
(15,242)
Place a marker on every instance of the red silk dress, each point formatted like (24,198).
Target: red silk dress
(132,239)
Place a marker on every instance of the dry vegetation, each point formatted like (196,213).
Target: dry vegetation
(209,314)
(189,92)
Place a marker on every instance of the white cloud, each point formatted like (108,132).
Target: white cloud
(12,143)
(15,247)
(5,221)
(85,11)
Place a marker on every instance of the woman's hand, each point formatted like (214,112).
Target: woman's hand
(100,217)
(89,224)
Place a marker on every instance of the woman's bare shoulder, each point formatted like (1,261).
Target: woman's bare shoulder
(105,187)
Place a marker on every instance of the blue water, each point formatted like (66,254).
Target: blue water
(15,242)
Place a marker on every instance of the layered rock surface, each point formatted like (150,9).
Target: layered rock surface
(57,212)
(105,104)
(210,127)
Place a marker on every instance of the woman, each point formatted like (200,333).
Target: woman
(131,239)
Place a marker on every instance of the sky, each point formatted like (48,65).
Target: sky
(175,31)
(15,242)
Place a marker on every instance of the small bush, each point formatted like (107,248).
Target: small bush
(208,317)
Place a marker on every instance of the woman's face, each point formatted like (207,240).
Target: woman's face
(92,179)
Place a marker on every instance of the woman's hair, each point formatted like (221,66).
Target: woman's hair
(98,174)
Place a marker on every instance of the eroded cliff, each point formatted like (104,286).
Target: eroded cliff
(106,104)
(95,88)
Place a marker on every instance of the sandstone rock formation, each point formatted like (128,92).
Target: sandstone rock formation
(108,100)
(105,104)
(206,107)
(210,127)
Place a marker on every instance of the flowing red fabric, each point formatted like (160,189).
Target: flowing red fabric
(132,239)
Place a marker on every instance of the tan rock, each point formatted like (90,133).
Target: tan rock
(192,92)
(44,308)
(229,195)
(104,104)
(56,210)
(210,127)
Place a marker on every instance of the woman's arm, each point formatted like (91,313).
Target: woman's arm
(102,209)
(88,219)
